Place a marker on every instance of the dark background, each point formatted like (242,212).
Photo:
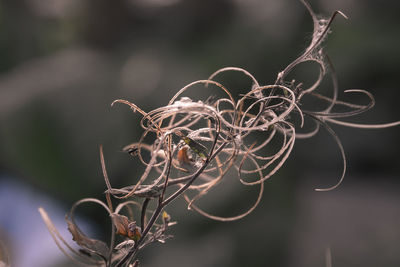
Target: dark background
(62,62)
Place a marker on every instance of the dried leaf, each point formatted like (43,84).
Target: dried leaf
(89,245)
(125,245)
(126,228)
(121,222)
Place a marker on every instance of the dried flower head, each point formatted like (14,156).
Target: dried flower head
(191,145)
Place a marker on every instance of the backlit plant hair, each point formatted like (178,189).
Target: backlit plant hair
(188,147)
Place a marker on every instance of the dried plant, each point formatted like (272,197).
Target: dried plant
(189,146)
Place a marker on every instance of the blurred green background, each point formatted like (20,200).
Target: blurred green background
(62,62)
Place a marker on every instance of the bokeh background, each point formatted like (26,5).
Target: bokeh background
(62,62)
